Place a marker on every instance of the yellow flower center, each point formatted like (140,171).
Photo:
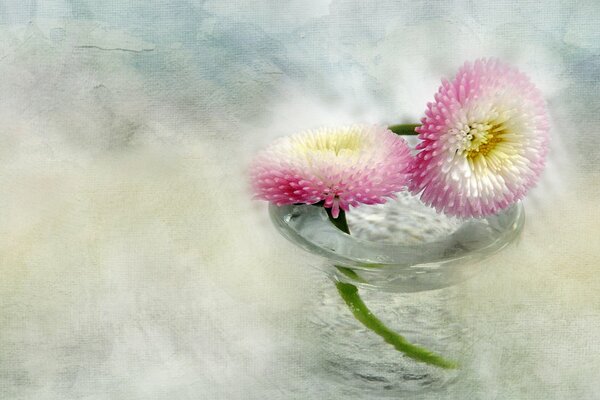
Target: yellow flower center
(337,142)
(479,139)
(483,138)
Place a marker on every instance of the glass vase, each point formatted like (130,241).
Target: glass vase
(405,259)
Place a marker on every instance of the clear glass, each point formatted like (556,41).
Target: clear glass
(405,258)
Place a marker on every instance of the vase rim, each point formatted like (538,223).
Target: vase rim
(324,239)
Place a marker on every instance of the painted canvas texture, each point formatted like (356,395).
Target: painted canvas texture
(134,263)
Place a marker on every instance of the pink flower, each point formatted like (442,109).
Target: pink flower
(343,166)
(483,141)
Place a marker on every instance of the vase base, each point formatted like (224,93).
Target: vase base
(359,360)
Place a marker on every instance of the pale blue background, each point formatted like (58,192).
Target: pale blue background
(134,264)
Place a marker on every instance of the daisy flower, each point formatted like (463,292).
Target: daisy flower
(342,166)
(483,141)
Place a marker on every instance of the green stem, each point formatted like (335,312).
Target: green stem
(350,273)
(349,293)
(404,129)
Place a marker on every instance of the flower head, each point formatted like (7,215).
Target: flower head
(483,141)
(343,167)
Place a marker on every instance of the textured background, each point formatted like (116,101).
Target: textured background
(133,263)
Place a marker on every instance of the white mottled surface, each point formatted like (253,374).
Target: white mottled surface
(133,263)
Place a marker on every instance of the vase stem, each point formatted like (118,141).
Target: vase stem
(360,311)
(350,295)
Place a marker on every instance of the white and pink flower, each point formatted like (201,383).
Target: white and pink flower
(483,141)
(342,166)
